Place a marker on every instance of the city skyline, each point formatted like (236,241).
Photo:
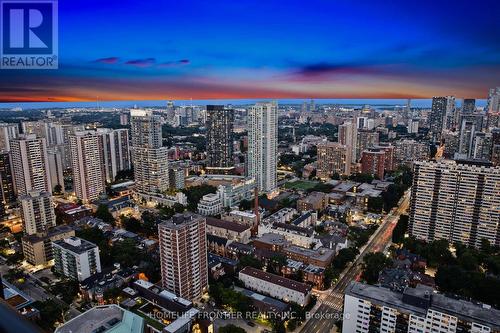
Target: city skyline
(203,51)
(249,166)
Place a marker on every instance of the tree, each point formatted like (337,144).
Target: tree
(150,266)
(375,204)
(227,297)
(195,193)
(438,253)
(112,294)
(469,261)
(248,260)
(131,223)
(246,204)
(344,257)
(67,289)
(373,263)
(150,222)
(446,279)
(126,253)
(50,312)
(168,212)
(58,189)
(361,177)
(278,325)
(277,262)
(321,187)
(122,175)
(492,264)
(103,213)
(231,329)
(392,195)
(96,236)
(399,231)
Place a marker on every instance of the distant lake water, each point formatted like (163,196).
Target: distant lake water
(375,103)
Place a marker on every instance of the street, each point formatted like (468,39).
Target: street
(331,308)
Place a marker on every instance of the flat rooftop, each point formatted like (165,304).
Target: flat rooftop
(345,186)
(274,239)
(105,318)
(178,221)
(462,309)
(60,229)
(321,254)
(75,245)
(243,213)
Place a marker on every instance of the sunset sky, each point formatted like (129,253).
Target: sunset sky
(161,49)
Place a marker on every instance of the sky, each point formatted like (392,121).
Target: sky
(161,50)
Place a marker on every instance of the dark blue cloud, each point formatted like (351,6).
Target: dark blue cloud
(148,62)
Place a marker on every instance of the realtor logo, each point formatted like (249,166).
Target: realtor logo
(29,38)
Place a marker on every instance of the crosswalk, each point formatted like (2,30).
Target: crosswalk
(335,301)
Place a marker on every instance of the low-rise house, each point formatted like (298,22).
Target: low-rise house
(216,244)
(315,201)
(335,242)
(237,249)
(93,287)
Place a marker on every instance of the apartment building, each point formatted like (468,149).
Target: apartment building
(76,258)
(370,308)
(183,255)
(456,200)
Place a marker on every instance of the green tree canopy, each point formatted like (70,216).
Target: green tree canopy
(231,329)
(399,231)
(373,263)
(195,193)
(104,214)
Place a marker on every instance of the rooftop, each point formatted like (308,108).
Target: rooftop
(104,318)
(229,225)
(75,245)
(243,213)
(293,228)
(272,303)
(314,196)
(60,229)
(240,247)
(276,279)
(321,254)
(15,297)
(216,239)
(464,310)
(302,218)
(179,220)
(274,239)
(345,186)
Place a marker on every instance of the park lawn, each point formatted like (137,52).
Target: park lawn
(303,185)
